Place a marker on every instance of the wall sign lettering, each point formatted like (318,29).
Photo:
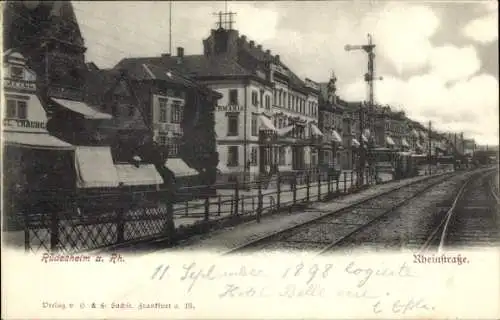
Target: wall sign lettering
(24,124)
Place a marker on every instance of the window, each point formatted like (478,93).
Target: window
(284,99)
(11,109)
(22,110)
(232,124)
(233,97)
(254,156)
(16,109)
(232,156)
(163,109)
(255,98)
(282,156)
(131,111)
(176,115)
(254,125)
(173,148)
(16,73)
(275,97)
(162,139)
(290,97)
(280,123)
(268,102)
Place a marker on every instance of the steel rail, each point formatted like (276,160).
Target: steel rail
(378,217)
(447,217)
(278,233)
(493,192)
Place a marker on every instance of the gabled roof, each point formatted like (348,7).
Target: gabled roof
(192,65)
(98,83)
(101,84)
(168,69)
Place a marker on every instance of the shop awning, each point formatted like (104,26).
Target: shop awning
(405,143)
(94,167)
(365,138)
(389,141)
(422,135)
(414,133)
(82,108)
(419,146)
(266,124)
(355,143)
(35,141)
(336,136)
(131,175)
(315,130)
(180,168)
(221,167)
(285,131)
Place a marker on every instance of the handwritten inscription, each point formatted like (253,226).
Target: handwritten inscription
(402,306)
(366,274)
(294,281)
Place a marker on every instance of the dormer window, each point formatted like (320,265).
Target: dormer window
(16,73)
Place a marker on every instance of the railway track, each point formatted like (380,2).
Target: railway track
(331,230)
(473,218)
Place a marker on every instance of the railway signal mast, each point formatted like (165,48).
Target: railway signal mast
(369,79)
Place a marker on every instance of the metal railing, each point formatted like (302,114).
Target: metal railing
(78,222)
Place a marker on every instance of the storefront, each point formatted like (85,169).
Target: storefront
(108,174)
(34,162)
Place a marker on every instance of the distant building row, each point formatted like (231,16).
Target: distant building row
(235,109)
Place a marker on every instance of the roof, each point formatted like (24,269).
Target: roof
(191,66)
(82,108)
(98,83)
(168,69)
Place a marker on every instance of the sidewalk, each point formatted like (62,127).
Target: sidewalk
(223,240)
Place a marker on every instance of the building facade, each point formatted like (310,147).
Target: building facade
(258,94)
(91,109)
(33,160)
(331,119)
(179,112)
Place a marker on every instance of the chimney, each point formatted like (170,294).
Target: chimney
(259,47)
(252,44)
(180,52)
(165,55)
(243,37)
(268,52)
(277,57)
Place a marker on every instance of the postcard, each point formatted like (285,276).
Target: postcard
(250,160)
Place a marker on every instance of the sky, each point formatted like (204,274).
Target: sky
(438,60)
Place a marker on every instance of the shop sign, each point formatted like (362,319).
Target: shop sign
(230,108)
(20,84)
(24,124)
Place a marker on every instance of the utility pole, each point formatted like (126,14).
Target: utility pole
(369,79)
(170,28)
(430,147)
(361,162)
(462,142)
